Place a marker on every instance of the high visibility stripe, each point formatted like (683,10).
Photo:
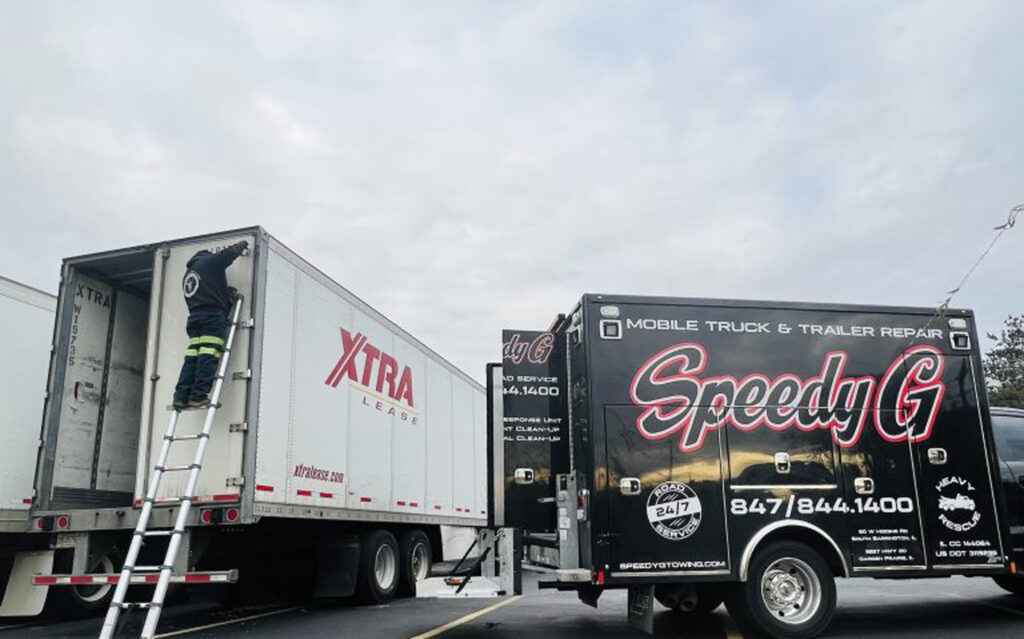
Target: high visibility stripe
(211,339)
(193,341)
(191,352)
(209,351)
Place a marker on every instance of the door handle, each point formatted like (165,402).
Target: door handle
(629,486)
(524,476)
(937,456)
(864,486)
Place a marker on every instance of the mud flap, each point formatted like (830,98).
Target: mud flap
(21,598)
(337,564)
(640,602)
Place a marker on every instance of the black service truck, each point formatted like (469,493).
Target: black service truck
(700,451)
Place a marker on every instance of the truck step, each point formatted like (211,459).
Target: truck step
(204,577)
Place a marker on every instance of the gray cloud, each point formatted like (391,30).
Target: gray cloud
(480,165)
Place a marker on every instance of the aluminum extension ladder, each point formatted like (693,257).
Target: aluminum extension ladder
(154,606)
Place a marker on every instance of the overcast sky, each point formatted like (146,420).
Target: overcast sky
(469,166)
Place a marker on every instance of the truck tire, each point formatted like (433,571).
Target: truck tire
(84,601)
(1011,583)
(416,555)
(691,600)
(379,567)
(790,593)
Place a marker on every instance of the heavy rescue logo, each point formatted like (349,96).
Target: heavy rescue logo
(676,399)
(376,373)
(958,510)
(673,510)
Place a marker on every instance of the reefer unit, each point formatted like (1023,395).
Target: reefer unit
(747,450)
(26,322)
(330,410)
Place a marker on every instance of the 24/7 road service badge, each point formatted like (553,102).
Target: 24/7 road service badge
(673,510)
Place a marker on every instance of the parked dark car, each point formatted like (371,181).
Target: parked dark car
(1008,427)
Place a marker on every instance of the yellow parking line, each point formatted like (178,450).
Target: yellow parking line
(185,631)
(461,620)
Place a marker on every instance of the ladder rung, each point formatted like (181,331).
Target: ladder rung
(176,468)
(158,533)
(146,568)
(167,501)
(182,438)
(128,605)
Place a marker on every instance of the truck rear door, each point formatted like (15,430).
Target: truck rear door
(951,453)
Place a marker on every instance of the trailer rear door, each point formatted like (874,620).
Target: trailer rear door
(222,466)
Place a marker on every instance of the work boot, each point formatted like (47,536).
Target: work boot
(179,404)
(199,402)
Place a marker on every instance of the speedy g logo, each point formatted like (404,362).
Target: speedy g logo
(673,510)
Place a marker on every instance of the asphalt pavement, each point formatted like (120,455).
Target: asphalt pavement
(934,608)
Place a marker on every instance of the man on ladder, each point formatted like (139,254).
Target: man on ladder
(209,300)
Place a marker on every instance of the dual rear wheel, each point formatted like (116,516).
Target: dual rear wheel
(390,566)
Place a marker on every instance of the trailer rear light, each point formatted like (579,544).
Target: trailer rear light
(1013,567)
(206,516)
(44,524)
(600,577)
(231,515)
(63,522)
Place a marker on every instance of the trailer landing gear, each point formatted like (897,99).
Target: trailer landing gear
(790,593)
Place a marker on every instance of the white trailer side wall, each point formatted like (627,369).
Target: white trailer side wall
(26,316)
(387,429)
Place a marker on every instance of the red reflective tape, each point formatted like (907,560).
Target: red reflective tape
(138,502)
(80,580)
(414,504)
(152,579)
(365,500)
(401,503)
(225,497)
(305,493)
(27,500)
(192,579)
(264,488)
(327,495)
(43,581)
(112,579)
(437,508)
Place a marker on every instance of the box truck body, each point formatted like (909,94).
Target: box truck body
(26,316)
(330,412)
(682,439)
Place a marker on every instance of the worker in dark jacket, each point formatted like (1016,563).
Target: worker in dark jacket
(209,300)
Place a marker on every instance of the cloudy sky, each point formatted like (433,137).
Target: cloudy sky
(469,166)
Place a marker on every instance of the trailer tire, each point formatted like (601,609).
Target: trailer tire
(416,555)
(1013,584)
(379,567)
(84,601)
(790,593)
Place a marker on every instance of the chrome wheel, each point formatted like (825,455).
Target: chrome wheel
(420,562)
(791,590)
(385,566)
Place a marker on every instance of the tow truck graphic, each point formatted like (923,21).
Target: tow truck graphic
(960,502)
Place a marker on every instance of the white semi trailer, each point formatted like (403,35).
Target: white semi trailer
(26,322)
(344,455)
